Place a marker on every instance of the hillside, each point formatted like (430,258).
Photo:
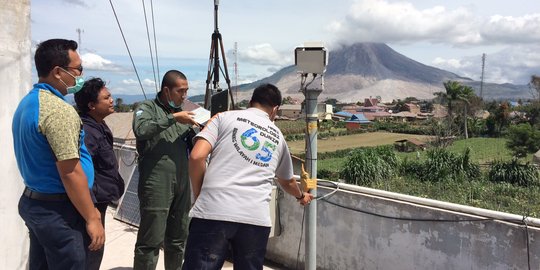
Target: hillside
(374,69)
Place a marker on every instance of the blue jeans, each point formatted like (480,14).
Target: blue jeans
(209,240)
(58,237)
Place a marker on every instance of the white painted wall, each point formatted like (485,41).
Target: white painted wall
(15,82)
(348,239)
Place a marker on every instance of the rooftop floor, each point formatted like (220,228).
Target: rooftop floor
(120,242)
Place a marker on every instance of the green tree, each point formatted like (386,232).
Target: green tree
(532,112)
(534,86)
(457,93)
(523,139)
(331,101)
(119,102)
(288,100)
(502,116)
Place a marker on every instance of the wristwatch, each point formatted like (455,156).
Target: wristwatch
(301,197)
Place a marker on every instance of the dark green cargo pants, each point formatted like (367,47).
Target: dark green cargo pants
(164,207)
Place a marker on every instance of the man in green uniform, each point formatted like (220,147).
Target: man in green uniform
(160,127)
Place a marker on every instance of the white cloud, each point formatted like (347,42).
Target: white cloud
(514,65)
(381,21)
(76,2)
(148,83)
(402,22)
(450,63)
(265,54)
(93,61)
(130,82)
(508,29)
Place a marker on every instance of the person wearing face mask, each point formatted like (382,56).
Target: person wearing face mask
(164,193)
(94,103)
(232,193)
(57,204)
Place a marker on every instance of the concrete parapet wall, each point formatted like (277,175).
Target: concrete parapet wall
(360,228)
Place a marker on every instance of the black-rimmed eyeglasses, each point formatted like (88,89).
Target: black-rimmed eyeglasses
(79,68)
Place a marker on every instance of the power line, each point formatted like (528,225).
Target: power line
(155,43)
(150,45)
(127,47)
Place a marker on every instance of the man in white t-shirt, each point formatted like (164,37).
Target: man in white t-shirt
(232,194)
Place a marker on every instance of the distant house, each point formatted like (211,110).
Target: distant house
(342,116)
(404,116)
(409,145)
(513,103)
(413,108)
(439,111)
(325,111)
(357,121)
(372,111)
(350,108)
(371,102)
(295,111)
(120,123)
(290,111)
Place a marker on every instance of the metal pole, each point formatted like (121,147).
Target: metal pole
(311,167)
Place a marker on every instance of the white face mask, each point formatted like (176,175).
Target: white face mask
(171,103)
(79,82)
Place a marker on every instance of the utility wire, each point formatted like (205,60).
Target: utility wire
(301,234)
(150,46)
(158,82)
(127,47)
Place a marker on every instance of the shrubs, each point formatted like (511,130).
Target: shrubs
(442,165)
(368,165)
(324,135)
(398,127)
(523,139)
(514,172)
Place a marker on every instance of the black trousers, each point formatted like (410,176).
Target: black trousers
(95,257)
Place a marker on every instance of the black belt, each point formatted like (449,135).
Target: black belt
(45,196)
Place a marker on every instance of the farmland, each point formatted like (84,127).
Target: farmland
(354,141)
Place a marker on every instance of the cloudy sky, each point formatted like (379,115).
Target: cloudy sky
(447,34)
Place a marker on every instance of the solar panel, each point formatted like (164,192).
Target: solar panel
(128,208)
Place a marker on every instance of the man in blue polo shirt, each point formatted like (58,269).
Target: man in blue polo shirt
(57,169)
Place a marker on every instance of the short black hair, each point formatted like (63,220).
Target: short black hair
(169,79)
(88,93)
(266,95)
(52,53)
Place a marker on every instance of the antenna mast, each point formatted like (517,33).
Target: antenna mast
(79,31)
(214,68)
(482,76)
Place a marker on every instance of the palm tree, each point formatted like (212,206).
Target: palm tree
(456,92)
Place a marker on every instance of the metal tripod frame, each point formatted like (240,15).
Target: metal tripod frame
(214,66)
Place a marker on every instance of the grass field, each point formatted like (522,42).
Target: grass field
(354,141)
(479,193)
(483,150)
